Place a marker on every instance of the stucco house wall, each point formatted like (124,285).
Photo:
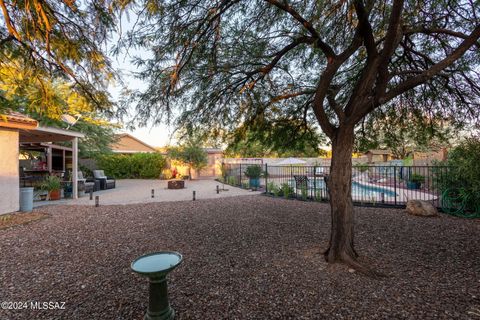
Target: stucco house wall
(129,144)
(9,172)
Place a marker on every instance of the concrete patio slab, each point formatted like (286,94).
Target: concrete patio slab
(139,191)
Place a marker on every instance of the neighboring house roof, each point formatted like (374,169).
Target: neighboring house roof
(373,151)
(213,150)
(164,150)
(16,120)
(127,143)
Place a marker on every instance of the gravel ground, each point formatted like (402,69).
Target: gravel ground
(247,257)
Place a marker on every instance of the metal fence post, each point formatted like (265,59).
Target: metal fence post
(395,182)
(240,180)
(266,178)
(314,183)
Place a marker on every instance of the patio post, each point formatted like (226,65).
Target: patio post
(75,168)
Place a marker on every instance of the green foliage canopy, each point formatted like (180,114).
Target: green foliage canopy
(282,138)
(229,62)
(463,178)
(48,40)
(404,131)
(132,166)
(189,154)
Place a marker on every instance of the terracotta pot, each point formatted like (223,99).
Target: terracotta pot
(54,195)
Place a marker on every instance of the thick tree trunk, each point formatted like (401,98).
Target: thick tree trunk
(339,183)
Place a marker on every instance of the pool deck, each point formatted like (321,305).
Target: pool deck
(139,191)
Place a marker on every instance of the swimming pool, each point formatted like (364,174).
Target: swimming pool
(358,190)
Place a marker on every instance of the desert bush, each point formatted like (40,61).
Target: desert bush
(132,166)
(463,177)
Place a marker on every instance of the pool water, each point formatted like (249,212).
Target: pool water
(358,189)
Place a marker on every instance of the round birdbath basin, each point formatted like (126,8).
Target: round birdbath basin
(156,266)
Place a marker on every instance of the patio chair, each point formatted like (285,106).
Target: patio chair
(87,184)
(105,182)
(301,182)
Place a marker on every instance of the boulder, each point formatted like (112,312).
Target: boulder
(421,208)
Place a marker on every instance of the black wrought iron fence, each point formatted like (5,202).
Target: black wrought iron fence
(371,185)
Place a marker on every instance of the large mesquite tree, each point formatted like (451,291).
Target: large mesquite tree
(44,43)
(225,63)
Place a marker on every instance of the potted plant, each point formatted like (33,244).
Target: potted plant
(254,172)
(415,181)
(52,185)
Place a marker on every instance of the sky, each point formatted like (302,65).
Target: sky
(159,135)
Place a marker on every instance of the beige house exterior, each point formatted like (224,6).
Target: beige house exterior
(9,150)
(213,168)
(378,155)
(17,129)
(128,144)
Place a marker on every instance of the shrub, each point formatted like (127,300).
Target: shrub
(416,178)
(287,190)
(191,155)
(51,183)
(304,192)
(132,166)
(231,180)
(271,187)
(86,171)
(253,171)
(362,167)
(277,191)
(463,177)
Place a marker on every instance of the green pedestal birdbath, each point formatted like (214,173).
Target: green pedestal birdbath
(156,266)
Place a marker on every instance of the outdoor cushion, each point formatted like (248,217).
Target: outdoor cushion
(89,186)
(80,177)
(99,174)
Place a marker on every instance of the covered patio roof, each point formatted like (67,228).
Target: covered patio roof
(30,132)
(48,134)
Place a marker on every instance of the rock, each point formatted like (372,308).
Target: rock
(421,208)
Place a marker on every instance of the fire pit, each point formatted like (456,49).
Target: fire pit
(176,184)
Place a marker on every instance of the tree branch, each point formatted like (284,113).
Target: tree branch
(327,49)
(365,28)
(277,57)
(392,38)
(426,75)
(320,93)
(11,28)
(291,95)
(430,31)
